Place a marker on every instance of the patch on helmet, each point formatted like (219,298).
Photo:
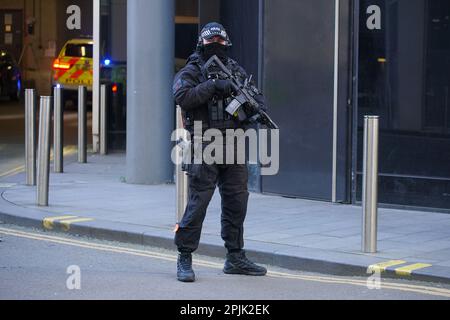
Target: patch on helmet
(214,31)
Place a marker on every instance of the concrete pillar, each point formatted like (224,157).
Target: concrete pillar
(150,105)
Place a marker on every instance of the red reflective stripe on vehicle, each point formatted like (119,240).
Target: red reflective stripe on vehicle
(77,74)
(60,73)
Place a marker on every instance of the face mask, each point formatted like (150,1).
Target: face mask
(215,49)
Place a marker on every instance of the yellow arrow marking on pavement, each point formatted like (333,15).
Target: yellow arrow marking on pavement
(407,270)
(173,258)
(48,222)
(66,223)
(380,267)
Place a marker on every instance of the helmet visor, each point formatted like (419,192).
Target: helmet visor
(215,39)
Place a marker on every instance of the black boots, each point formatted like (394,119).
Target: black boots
(237,263)
(184,268)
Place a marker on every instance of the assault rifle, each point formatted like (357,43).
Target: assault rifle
(243,106)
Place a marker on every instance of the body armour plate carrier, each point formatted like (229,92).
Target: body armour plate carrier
(218,117)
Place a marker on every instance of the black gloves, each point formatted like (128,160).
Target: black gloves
(223,87)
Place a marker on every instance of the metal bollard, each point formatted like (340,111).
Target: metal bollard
(58,131)
(181,178)
(43,164)
(370,185)
(104,119)
(30,136)
(82,125)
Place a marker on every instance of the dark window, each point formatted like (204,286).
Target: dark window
(79,50)
(187,8)
(404,79)
(6,58)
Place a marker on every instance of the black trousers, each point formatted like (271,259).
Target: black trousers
(203,179)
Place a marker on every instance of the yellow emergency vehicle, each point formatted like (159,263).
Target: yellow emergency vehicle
(74,65)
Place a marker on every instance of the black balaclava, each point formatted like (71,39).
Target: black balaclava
(217,49)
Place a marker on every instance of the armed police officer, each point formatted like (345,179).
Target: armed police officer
(202,99)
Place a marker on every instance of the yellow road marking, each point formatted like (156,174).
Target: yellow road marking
(48,222)
(67,151)
(198,262)
(66,223)
(13,171)
(407,270)
(380,267)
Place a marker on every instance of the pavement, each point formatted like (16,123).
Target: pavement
(94,200)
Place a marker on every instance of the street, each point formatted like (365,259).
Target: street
(325,159)
(42,265)
(12,134)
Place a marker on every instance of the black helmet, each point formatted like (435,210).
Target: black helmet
(211,30)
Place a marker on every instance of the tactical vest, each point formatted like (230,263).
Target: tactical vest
(217,117)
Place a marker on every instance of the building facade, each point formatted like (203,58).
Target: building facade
(322,65)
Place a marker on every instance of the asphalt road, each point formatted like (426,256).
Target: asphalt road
(12,134)
(35,265)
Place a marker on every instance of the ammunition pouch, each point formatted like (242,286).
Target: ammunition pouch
(218,117)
